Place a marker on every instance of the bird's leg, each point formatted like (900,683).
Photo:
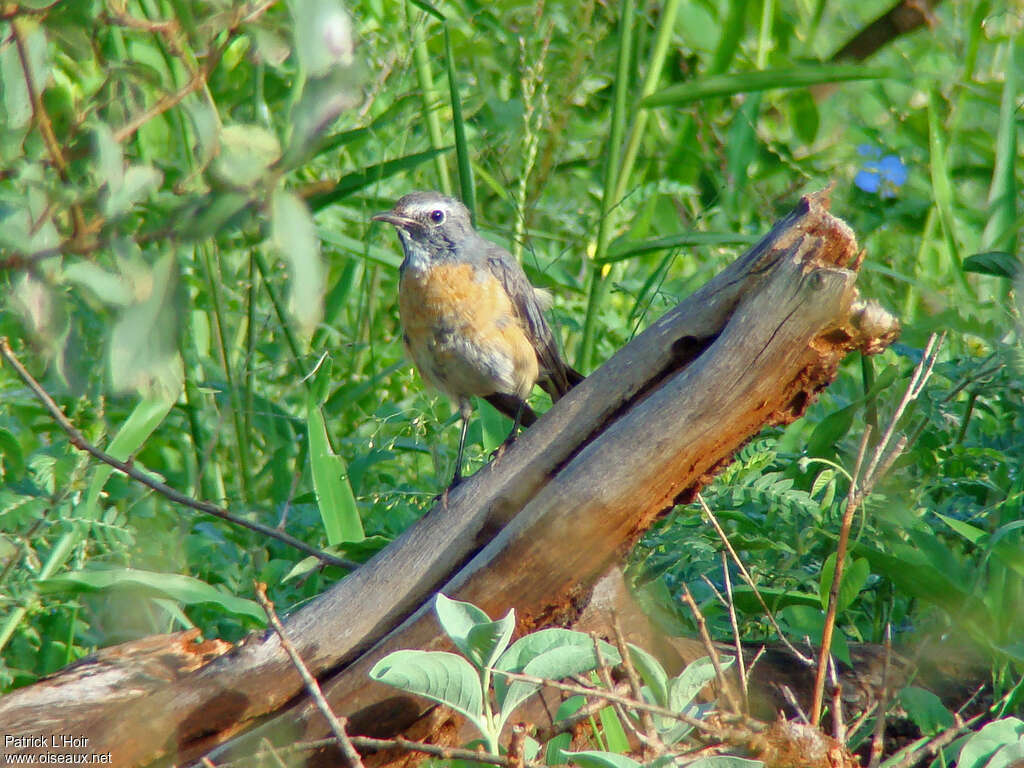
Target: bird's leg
(465,410)
(500,450)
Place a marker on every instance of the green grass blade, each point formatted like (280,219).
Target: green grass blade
(626,249)
(353,182)
(461,144)
(768,79)
(372,253)
(334,495)
(1000,232)
(942,188)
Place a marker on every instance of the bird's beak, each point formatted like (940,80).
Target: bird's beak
(393,218)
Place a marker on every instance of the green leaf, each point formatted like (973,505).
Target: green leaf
(684,688)
(651,672)
(1001,228)
(13,457)
(995,263)
(855,576)
(246,153)
(926,710)
(549,653)
(334,496)
(16,100)
(144,343)
(480,639)
(108,287)
(323,35)
(972,533)
(442,677)
(724,761)
(138,181)
(830,430)
(747,82)
(173,586)
(988,740)
(598,759)
(293,235)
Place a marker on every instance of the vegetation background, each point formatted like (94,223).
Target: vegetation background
(189,269)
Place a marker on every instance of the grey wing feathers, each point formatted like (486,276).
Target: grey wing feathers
(511,275)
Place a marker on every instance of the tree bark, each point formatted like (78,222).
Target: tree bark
(535,529)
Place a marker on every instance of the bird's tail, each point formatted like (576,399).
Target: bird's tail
(559,383)
(509,404)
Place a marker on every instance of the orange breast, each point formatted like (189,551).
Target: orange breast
(463,333)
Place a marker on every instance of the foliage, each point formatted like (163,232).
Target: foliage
(474,685)
(189,268)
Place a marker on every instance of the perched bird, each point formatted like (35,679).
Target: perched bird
(472,323)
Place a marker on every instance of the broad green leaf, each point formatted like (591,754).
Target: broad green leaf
(550,653)
(334,496)
(16,100)
(598,759)
(683,689)
(748,82)
(724,761)
(172,586)
(981,746)
(926,710)
(144,343)
(855,575)
(12,456)
(480,639)
(651,672)
(1010,756)
(970,532)
(614,732)
(109,287)
(568,708)
(246,153)
(830,430)
(138,181)
(323,99)
(442,677)
(294,237)
(323,35)
(995,263)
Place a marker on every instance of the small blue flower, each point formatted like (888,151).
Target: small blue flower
(882,175)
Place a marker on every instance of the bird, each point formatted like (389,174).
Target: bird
(472,323)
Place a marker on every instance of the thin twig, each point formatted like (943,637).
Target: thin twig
(933,745)
(337,724)
(612,696)
(724,686)
(78,440)
(838,725)
(806,660)
(853,499)
(861,485)
(878,735)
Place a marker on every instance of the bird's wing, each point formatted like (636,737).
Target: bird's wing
(531,315)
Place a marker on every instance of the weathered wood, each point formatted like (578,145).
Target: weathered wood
(535,529)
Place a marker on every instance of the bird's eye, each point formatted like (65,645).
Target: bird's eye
(437,216)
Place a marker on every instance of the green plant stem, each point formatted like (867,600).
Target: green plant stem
(608,202)
(430,99)
(282,317)
(241,443)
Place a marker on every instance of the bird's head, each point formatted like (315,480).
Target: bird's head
(430,225)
